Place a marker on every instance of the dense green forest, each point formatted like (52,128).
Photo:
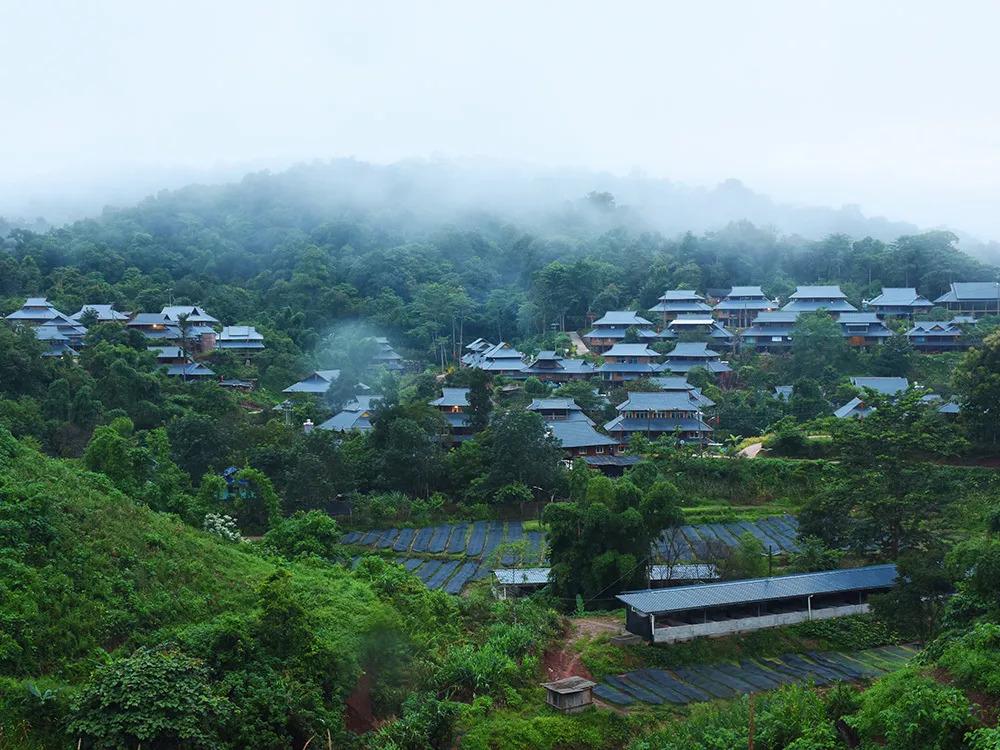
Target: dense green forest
(145,602)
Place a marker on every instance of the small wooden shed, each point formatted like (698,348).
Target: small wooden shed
(570,694)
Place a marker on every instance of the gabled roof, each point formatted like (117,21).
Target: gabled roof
(658,401)
(631,350)
(691,349)
(318,382)
(934,328)
(240,333)
(624,424)
(452,397)
(818,292)
(621,331)
(37,302)
(731,593)
(885,386)
(859,317)
(900,296)
(165,352)
(672,295)
(970,291)
(35,308)
(775,317)
(692,320)
(672,383)
(622,318)
(149,319)
(783,392)
(478,345)
(576,433)
(853,408)
(503,350)
(195,314)
(549,404)
(746,291)
(50,333)
(190,370)
(104,313)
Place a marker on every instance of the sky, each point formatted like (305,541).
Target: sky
(890,105)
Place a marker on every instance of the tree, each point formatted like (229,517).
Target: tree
(977,380)
(818,346)
(157,698)
(894,358)
(480,400)
(807,400)
(519,449)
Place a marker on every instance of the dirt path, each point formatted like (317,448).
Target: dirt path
(751,450)
(578,346)
(565,661)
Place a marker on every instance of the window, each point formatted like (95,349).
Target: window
(599,449)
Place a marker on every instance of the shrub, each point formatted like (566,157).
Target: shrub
(222,526)
(974,658)
(305,533)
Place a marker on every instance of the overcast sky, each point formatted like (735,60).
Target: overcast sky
(892,105)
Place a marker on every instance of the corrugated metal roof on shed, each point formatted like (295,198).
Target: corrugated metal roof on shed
(759,589)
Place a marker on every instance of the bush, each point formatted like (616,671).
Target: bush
(305,533)
(907,710)
(222,526)
(974,658)
(848,633)
(160,698)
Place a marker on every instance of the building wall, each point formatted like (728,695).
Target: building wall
(679,633)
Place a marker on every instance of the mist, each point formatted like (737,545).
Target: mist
(827,115)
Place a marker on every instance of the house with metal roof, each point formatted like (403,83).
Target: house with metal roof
(937,336)
(72,330)
(863,329)
(654,415)
(240,339)
(703,327)
(510,582)
(58,344)
(613,326)
(671,615)
(550,367)
(899,302)
(676,302)
(858,407)
(318,382)
(354,417)
(34,312)
(679,383)
(474,350)
(813,298)
(687,355)
(386,356)
(741,305)
(155,327)
(454,407)
(103,313)
(500,359)
(190,371)
(168,355)
(770,332)
(579,439)
(975,298)
(556,408)
(623,362)
(195,315)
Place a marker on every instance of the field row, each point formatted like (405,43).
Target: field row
(476,539)
(479,539)
(708,682)
(450,576)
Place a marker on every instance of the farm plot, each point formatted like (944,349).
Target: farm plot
(727,680)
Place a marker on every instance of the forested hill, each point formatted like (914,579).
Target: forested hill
(298,251)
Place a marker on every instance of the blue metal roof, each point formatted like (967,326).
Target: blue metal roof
(730,593)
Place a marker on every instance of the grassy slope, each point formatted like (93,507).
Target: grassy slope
(110,572)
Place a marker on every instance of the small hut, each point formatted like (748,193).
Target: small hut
(570,694)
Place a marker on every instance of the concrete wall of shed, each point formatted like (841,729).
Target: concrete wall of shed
(678,633)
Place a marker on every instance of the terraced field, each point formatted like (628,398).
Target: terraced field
(728,680)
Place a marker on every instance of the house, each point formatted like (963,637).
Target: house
(579,439)
(512,582)
(168,355)
(937,336)
(72,330)
(612,328)
(354,417)
(949,408)
(975,298)
(550,367)
(454,406)
(784,392)
(558,409)
(812,298)
(863,329)
(386,356)
(34,312)
(857,407)
(190,371)
(741,305)
(899,302)
(474,350)
(657,414)
(155,326)
(680,302)
(629,362)
(196,316)
(770,332)
(58,343)
(195,324)
(672,615)
(570,694)
(103,314)
(688,355)
(240,339)
(703,327)
(501,359)
(680,384)
(318,382)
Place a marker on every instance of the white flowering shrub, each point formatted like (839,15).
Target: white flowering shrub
(222,526)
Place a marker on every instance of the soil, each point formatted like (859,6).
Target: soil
(565,661)
(358,717)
